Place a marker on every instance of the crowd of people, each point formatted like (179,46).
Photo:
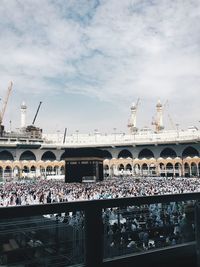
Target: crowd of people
(126,230)
(144,227)
(41,191)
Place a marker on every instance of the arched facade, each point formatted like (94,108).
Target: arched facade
(190,152)
(6,155)
(27,155)
(168,161)
(125,153)
(159,160)
(168,152)
(48,155)
(145,153)
(27,165)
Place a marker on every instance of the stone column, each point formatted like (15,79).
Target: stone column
(37,172)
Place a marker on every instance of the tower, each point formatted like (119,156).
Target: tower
(159,116)
(132,121)
(23,114)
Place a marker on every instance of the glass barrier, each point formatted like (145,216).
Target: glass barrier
(136,229)
(48,240)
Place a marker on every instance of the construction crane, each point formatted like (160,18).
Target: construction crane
(64,137)
(34,132)
(137,103)
(2,112)
(36,113)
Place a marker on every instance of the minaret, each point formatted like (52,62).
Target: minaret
(23,114)
(159,116)
(132,121)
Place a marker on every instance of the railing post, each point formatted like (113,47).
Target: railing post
(197,231)
(93,237)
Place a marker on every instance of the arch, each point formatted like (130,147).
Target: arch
(177,165)
(32,172)
(8,172)
(107,154)
(168,152)
(169,166)
(190,152)
(6,155)
(152,169)
(42,171)
(162,169)
(199,169)
(7,168)
(194,167)
(169,169)
(49,169)
(32,169)
(1,173)
(125,153)
(161,165)
(145,169)
(146,153)
(106,167)
(48,155)
(106,170)
(121,167)
(26,169)
(128,167)
(144,166)
(178,169)
(186,169)
(27,155)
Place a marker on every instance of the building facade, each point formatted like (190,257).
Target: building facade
(163,159)
(142,152)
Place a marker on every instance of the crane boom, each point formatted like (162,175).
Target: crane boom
(36,113)
(171,122)
(5,102)
(138,100)
(64,137)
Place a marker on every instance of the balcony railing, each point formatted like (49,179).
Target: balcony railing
(117,139)
(99,232)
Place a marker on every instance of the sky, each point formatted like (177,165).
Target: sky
(89,60)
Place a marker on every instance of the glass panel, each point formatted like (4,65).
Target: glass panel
(48,240)
(137,229)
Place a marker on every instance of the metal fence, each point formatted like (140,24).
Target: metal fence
(94,232)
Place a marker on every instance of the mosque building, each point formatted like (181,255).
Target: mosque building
(141,152)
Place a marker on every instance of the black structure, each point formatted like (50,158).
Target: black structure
(83,164)
(83,169)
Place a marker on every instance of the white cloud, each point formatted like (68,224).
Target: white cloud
(112,50)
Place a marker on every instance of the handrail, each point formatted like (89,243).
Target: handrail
(40,209)
(93,216)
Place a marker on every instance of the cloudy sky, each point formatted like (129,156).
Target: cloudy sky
(88,60)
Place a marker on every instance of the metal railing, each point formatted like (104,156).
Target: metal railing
(94,225)
(124,139)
